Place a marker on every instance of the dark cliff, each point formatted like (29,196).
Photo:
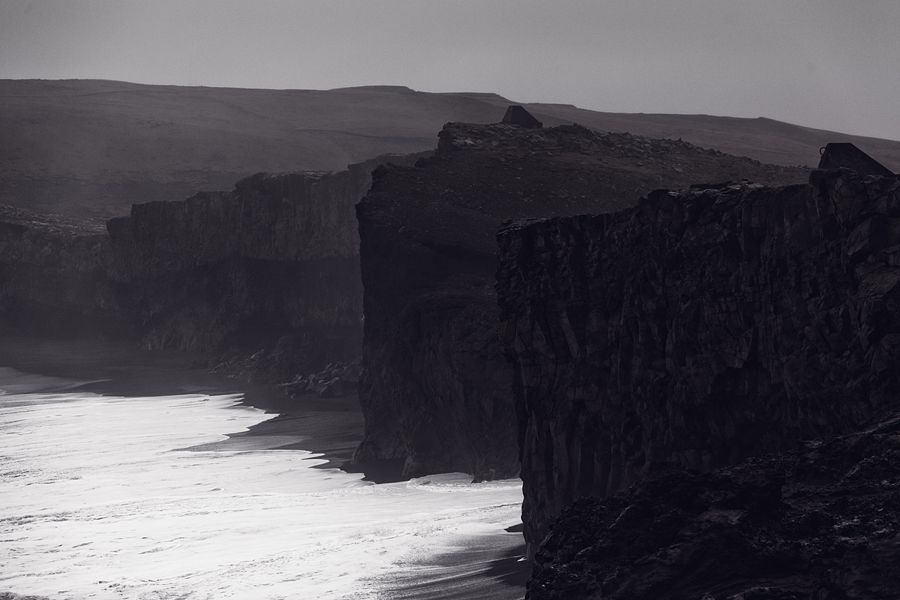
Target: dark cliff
(272,266)
(435,387)
(270,269)
(53,279)
(697,329)
(817,523)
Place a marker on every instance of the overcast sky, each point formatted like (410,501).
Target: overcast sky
(832,64)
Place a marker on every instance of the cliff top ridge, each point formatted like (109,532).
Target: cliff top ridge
(90,146)
(624,150)
(481,175)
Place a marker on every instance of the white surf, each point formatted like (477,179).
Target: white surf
(111,497)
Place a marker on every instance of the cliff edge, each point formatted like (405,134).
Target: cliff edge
(697,329)
(264,277)
(435,388)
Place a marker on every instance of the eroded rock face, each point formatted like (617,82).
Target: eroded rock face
(697,329)
(54,281)
(267,273)
(435,387)
(271,266)
(820,522)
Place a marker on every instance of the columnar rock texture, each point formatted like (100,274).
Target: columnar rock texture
(435,388)
(697,329)
(276,259)
(269,269)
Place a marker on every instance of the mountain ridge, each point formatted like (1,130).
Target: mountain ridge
(98,146)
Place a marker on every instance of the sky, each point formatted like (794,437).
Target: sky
(830,64)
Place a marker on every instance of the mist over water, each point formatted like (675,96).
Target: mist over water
(145,497)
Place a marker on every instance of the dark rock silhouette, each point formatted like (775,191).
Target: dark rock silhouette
(435,388)
(697,329)
(820,522)
(517,115)
(265,277)
(844,155)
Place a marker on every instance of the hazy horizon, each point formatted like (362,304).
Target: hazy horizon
(824,64)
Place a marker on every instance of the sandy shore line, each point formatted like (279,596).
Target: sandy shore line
(331,427)
(486,567)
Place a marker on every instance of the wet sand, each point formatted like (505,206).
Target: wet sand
(115,368)
(474,571)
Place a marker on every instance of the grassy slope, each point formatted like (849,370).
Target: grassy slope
(95,147)
(764,139)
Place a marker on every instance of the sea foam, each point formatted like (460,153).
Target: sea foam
(112,497)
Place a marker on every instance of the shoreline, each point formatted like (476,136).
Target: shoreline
(330,428)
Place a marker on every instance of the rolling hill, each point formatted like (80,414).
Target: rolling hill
(92,148)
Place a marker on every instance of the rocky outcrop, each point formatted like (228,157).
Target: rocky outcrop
(844,155)
(435,387)
(271,266)
(697,329)
(54,281)
(265,276)
(820,522)
(517,115)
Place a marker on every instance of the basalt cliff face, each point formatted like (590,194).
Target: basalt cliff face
(696,329)
(272,266)
(269,270)
(435,389)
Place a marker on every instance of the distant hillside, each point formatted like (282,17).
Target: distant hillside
(95,147)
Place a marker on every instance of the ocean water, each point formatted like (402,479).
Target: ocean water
(137,497)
